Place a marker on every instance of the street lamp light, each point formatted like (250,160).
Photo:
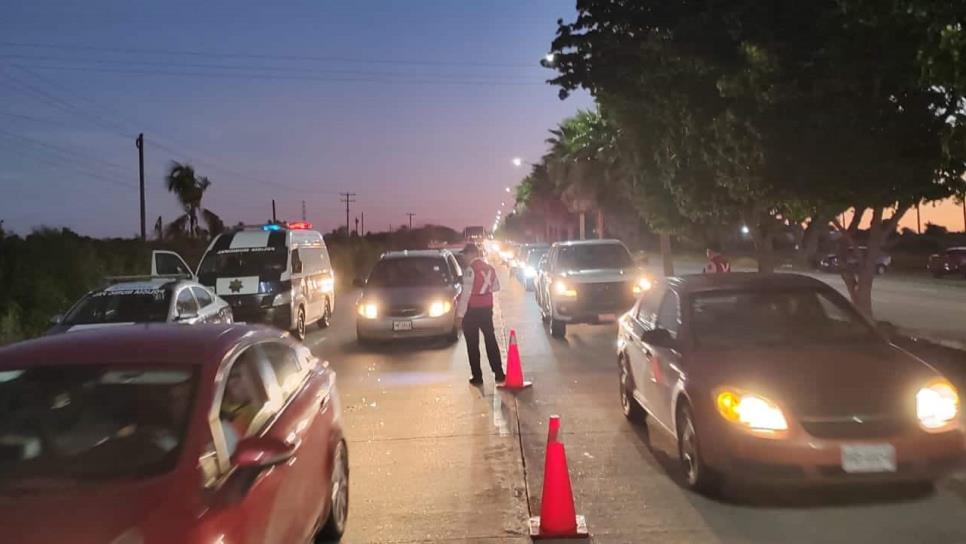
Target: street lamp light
(508,189)
(549,58)
(518,162)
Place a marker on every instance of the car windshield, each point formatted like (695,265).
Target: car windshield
(591,256)
(92,421)
(255,261)
(534,256)
(121,306)
(735,319)
(410,272)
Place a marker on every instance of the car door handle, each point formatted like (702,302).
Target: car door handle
(324,403)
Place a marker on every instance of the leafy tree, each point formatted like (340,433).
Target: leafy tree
(778,112)
(189,189)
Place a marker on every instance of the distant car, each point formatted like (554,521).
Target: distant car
(779,378)
(950,261)
(147,300)
(278,273)
(590,281)
(519,260)
(410,294)
(158,434)
(830,263)
(527,270)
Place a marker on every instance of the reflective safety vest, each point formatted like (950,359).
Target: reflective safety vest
(480,281)
(717,265)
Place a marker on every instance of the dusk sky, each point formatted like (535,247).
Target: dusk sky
(416,106)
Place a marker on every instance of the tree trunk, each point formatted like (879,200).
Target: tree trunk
(859,282)
(600,224)
(666,256)
(808,248)
(763,238)
(583,226)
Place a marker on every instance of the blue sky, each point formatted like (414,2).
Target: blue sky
(416,106)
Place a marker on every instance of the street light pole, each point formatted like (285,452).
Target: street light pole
(139,142)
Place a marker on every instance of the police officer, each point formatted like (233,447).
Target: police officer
(475,314)
(717,263)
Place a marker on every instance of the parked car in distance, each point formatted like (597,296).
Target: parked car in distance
(830,263)
(409,294)
(278,274)
(526,273)
(159,434)
(145,299)
(778,378)
(588,281)
(950,261)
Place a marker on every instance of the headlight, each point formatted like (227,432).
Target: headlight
(282,299)
(937,404)
(439,308)
(560,288)
(752,411)
(328,285)
(369,310)
(642,285)
(530,272)
(506,255)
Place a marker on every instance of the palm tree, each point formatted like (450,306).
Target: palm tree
(189,190)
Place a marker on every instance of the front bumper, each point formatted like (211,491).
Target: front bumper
(384,328)
(585,309)
(804,459)
(254,309)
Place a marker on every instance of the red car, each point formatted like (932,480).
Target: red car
(156,434)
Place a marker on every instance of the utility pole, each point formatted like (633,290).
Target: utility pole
(357,226)
(964,213)
(363,215)
(303,210)
(918,220)
(139,142)
(347,199)
(410,214)
(274,219)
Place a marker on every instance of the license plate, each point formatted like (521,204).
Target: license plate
(866,458)
(607,317)
(402,325)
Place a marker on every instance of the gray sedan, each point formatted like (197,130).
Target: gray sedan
(410,294)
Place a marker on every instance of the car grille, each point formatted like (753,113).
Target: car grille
(605,295)
(865,428)
(404,311)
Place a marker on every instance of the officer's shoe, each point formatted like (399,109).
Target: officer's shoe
(475,380)
(499,379)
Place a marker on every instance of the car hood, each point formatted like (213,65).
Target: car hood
(602,275)
(833,381)
(407,296)
(82,513)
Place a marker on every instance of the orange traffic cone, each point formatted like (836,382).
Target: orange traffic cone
(558,518)
(514,372)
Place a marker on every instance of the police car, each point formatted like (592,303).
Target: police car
(278,273)
(135,300)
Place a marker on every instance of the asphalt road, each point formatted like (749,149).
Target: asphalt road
(434,459)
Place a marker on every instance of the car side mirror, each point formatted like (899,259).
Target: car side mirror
(262,452)
(657,337)
(359,282)
(57,319)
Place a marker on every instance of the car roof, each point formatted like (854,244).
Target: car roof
(156,343)
(692,283)
(407,253)
(147,284)
(609,241)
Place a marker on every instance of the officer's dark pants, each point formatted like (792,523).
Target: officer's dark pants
(475,321)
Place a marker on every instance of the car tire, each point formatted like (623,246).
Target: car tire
(326,319)
(631,408)
(938,275)
(299,330)
(454,336)
(334,525)
(558,329)
(695,473)
(880,269)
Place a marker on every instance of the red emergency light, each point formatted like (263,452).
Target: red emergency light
(299,225)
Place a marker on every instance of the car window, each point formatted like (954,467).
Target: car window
(650,302)
(186,304)
(591,256)
(92,421)
(285,366)
(296,262)
(410,272)
(778,317)
(202,296)
(243,403)
(169,264)
(455,268)
(668,315)
(121,306)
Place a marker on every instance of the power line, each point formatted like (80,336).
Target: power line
(410,214)
(73,155)
(61,162)
(216,54)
